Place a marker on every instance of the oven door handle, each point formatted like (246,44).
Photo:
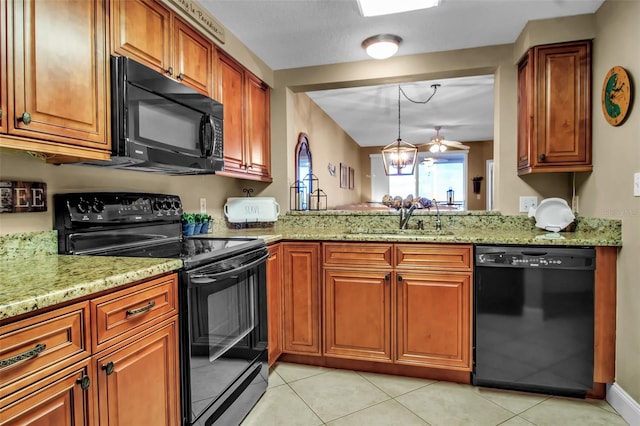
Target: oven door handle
(204,278)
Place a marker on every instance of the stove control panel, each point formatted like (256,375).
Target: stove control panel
(113,207)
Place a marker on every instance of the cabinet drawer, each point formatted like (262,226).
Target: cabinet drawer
(434,256)
(119,315)
(358,255)
(38,346)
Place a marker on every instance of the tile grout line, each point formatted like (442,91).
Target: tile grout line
(305,403)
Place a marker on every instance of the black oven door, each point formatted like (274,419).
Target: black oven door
(226,333)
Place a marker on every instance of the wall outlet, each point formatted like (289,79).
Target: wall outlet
(203,205)
(636,184)
(527,202)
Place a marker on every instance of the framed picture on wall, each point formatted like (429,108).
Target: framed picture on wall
(344,176)
(352,178)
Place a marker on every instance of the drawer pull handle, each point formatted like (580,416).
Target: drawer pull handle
(108,368)
(39,348)
(142,309)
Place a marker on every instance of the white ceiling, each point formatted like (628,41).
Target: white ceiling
(299,33)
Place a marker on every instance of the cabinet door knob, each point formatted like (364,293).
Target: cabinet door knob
(84,382)
(543,157)
(108,368)
(180,76)
(170,70)
(387,277)
(25,118)
(399,277)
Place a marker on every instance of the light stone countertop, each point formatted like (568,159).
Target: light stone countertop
(33,276)
(31,283)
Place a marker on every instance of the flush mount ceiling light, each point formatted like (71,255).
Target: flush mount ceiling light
(399,157)
(378,7)
(382,46)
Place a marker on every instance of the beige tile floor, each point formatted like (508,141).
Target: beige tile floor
(310,396)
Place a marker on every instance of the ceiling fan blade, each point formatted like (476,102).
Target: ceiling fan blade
(455,144)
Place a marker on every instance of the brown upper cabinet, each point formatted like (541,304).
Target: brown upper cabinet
(53,89)
(151,34)
(247,121)
(554,108)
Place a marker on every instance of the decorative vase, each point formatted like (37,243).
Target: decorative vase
(188,228)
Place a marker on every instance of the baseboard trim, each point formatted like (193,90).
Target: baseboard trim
(622,402)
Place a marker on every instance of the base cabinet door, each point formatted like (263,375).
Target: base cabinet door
(357,315)
(433,319)
(274,302)
(301,298)
(63,399)
(138,382)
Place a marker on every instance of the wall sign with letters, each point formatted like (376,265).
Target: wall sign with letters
(21,197)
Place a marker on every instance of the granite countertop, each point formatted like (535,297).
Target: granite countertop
(42,280)
(469,228)
(34,276)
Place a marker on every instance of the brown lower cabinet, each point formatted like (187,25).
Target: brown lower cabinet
(274,302)
(401,304)
(434,319)
(406,304)
(301,298)
(111,360)
(357,315)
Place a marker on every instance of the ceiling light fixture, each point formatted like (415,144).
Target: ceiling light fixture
(439,144)
(378,7)
(399,157)
(382,46)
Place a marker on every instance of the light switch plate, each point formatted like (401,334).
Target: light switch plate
(526,203)
(636,184)
(203,205)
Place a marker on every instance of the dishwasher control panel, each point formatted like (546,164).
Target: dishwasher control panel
(535,257)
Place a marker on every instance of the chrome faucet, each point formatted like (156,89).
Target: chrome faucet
(438,222)
(405,215)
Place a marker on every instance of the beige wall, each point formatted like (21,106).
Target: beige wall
(328,144)
(479,153)
(608,191)
(15,165)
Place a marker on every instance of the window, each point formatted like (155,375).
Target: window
(430,180)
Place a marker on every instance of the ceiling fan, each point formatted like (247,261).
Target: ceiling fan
(440,144)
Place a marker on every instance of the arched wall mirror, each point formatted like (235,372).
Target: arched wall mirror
(303,160)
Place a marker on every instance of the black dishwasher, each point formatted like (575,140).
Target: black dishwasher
(534,319)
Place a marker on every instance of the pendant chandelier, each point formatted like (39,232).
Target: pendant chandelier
(399,157)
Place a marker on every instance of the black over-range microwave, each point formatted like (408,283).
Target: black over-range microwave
(160,125)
